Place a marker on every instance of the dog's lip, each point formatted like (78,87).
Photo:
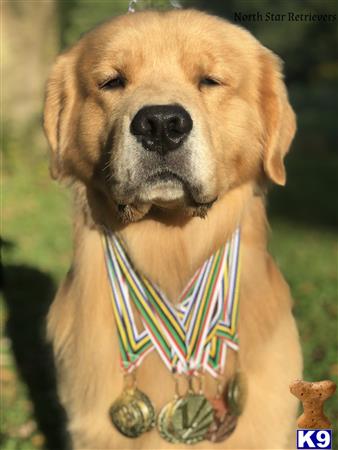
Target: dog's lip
(193,195)
(207,204)
(165,175)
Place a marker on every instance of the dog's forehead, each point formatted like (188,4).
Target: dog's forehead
(169,37)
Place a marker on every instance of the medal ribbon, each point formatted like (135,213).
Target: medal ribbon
(134,345)
(190,336)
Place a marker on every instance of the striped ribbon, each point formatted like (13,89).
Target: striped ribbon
(191,336)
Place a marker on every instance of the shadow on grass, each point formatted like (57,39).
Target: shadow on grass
(28,293)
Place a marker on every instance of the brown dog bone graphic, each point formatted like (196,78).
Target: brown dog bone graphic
(313,396)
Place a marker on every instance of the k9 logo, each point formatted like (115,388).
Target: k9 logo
(314,439)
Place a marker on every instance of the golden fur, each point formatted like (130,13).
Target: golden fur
(247,125)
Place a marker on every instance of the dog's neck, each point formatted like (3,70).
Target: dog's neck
(168,255)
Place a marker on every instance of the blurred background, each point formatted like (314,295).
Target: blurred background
(37,213)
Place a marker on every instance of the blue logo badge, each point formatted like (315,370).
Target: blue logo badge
(316,439)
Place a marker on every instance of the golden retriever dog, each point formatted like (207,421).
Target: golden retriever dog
(169,125)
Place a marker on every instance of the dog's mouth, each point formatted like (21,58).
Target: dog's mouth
(166,190)
(164,176)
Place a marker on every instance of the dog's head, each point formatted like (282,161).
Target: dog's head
(168,110)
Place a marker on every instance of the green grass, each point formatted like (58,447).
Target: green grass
(37,253)
(308,259)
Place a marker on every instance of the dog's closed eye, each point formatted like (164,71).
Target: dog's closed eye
(116,82)
(208,81)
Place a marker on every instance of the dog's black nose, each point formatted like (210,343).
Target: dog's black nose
(161,128)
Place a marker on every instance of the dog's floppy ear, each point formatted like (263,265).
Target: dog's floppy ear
(279,122)
(59,101)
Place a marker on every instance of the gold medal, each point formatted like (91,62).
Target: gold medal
(191,417)
(164,424)
(132,413)
(186,419)
(236,393)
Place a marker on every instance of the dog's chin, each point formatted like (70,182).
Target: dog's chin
(169,194)
(172,197)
